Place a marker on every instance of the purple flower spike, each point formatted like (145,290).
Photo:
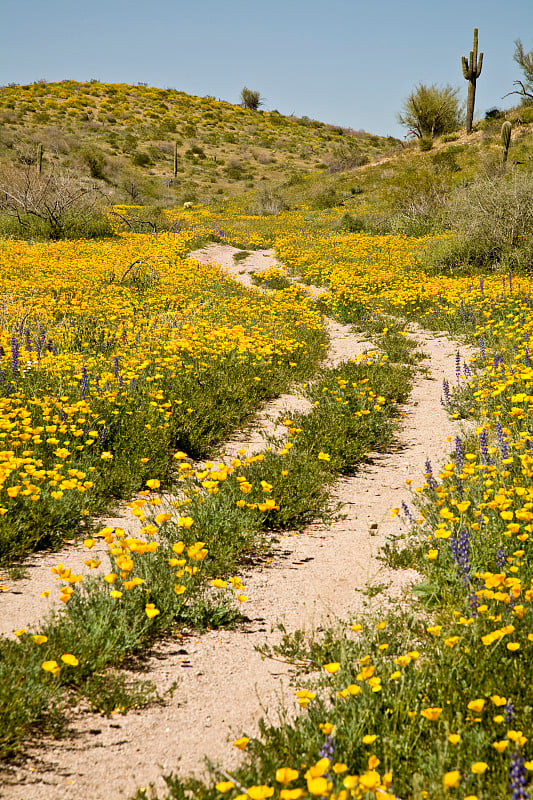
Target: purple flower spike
(518,779)
(14,356)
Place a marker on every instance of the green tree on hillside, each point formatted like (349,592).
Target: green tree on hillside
(251,99)
(525,62)
(431,111)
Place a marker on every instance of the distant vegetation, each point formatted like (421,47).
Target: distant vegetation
(162,147)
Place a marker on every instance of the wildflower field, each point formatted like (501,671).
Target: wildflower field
(123,364)
(435,699)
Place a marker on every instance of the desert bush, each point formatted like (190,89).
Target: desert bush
(418,192)
(493,222)
(431,111)
(322,196)
(524,59)
(52,205)
(95,160)
(350,223)
(269,201)
(141,159)
(250,99)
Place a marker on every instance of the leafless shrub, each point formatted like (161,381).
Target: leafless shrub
(55,198)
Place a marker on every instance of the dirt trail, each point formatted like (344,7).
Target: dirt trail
(223,684)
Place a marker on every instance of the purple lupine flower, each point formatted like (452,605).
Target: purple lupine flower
(510,283)
(459,454)
(481,289)
(473,602)
(28,339)
(84,381)
(14,356)
(8,389)
(482,348)
(509,713)
(527,361)
(103,437)
(501,558)
(407,512)
(458,365)
(133,384)
(463,314)
(432,483)
(466,370)
(504,450)
(461,554)
(484,447)
(446,391)
(328,749)
(115,366)
(518,778)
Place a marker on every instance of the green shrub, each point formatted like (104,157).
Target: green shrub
(431,111)
(493,221)
(250,99)
(269,201)
(323,196)
(95,161)
(141,159)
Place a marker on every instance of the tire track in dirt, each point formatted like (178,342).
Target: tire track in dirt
(224,686)
(21,603)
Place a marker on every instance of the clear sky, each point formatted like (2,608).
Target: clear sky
(347,62)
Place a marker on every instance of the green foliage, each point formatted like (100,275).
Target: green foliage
(95,161)
(431,111)
(493,222)
(524,59)
(250,99)
(141,159)
(417,194)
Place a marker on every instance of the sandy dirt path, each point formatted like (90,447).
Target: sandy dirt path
(223,685)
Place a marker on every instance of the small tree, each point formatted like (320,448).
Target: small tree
(525,62)
(251,99)
(56,200)
(431,111)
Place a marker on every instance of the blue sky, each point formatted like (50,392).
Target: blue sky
(347,62)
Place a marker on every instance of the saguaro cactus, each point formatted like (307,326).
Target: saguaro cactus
(471,71)
(506,139)
(40,151)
